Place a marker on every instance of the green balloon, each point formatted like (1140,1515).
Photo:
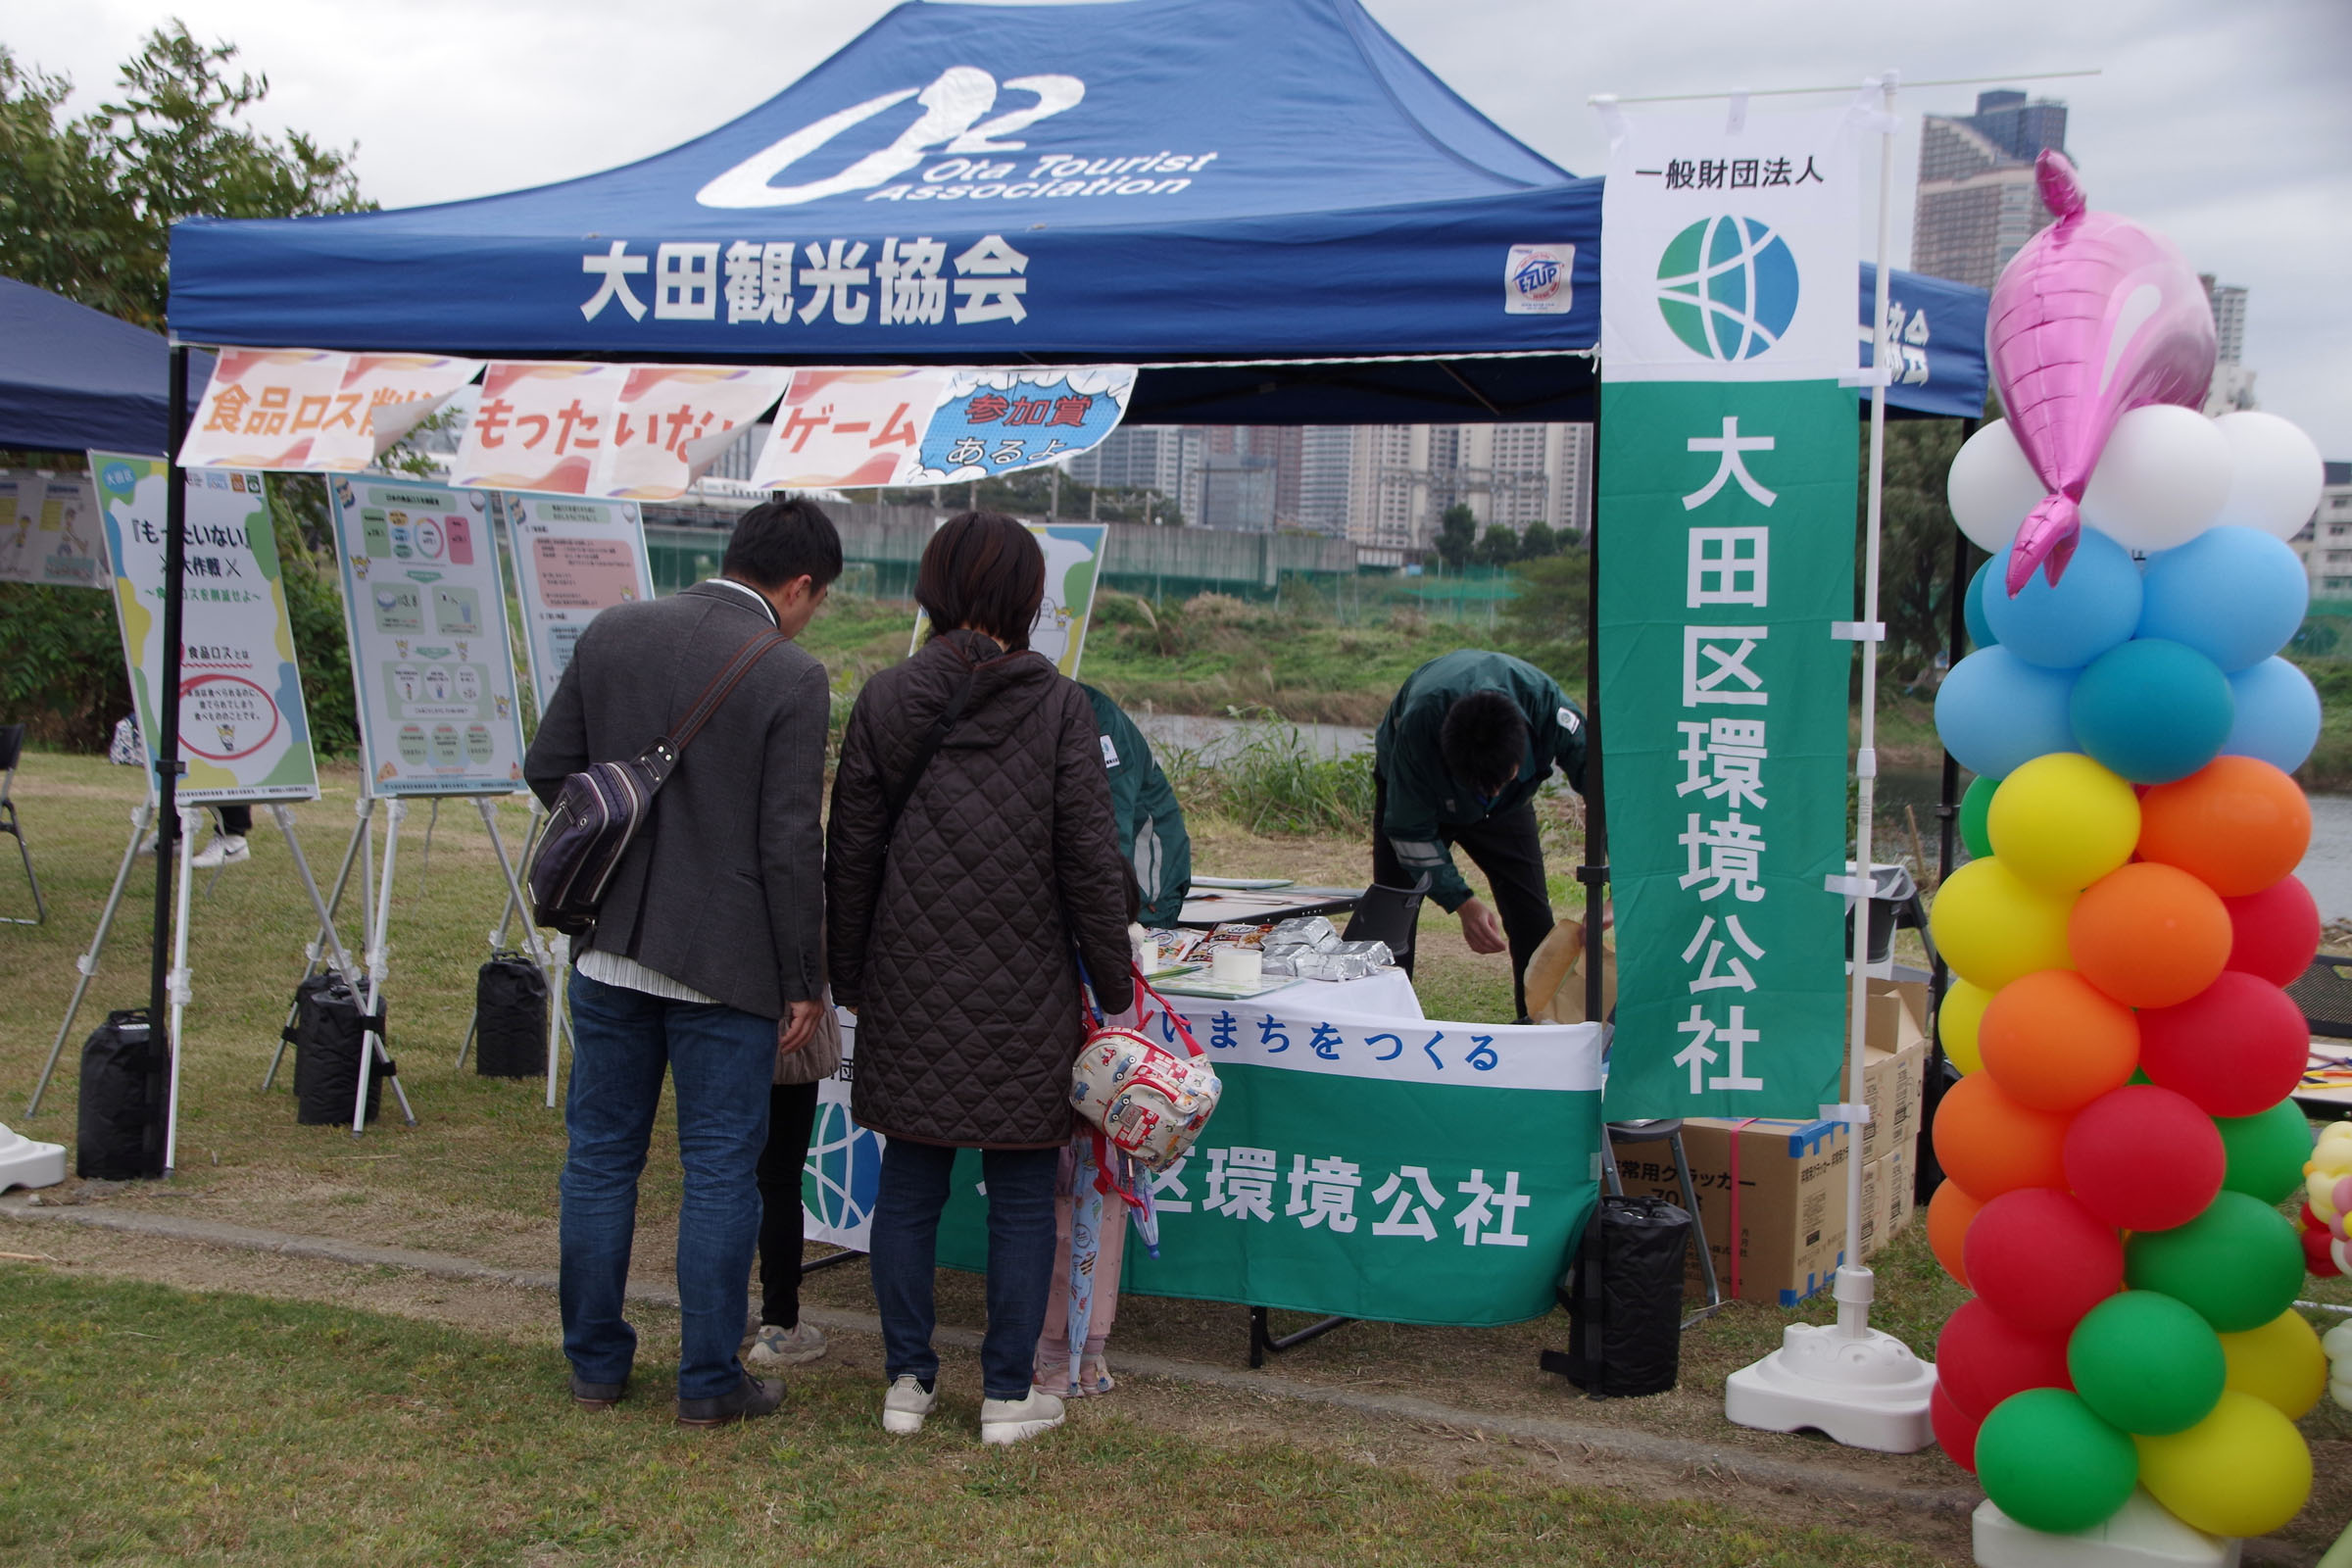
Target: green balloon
(2146,1363)
(2048,1461)
(2267,1152)
(1974,806)
(2239,1263)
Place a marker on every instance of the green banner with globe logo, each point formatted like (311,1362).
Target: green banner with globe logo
(1726,484)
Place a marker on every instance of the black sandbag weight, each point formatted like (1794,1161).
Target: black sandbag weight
(509,1017)
(125,1095)
(329,1036)
(1624,1295)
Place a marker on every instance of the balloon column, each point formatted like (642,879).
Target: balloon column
(2122,1138)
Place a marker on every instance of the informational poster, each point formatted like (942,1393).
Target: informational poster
(429,652)
(315,410)
(1726,508)
(1404,1171)
(854,428)
(243,732)
(572,561)
(1073,569)
(49,529)
(639,432)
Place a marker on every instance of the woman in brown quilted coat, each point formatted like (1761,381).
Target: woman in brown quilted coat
(971,847)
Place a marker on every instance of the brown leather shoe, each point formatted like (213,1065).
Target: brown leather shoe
(597,1395)
(751,1399)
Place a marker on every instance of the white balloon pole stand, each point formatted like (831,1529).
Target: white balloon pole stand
(1860,1385)
(2142,1534)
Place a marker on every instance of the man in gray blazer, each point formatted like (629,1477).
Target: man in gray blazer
(704,956)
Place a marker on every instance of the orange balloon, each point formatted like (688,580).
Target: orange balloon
(2054,1042)
(1992,1144)
(2237,825)
(2149,935)
(1949,1214)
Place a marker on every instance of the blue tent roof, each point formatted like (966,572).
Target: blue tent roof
(71,377)
(1144,180)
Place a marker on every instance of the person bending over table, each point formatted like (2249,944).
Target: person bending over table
(1458,760)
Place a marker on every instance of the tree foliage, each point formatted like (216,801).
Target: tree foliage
(87,204)
(1457,536)
(1537,540)
(1543,622)
(1915,552)
(1499,546)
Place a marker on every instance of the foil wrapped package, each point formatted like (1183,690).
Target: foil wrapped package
(1347,960)
(1311,932)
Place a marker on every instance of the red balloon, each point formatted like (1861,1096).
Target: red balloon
(2144,1158)
(1955,1429)
(2236,1048)
(2317,1261)
(1981,1358)
(2275,933)
(2042,1260)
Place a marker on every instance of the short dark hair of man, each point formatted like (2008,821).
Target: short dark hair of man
(779,540)
(1483,740)
(985,570)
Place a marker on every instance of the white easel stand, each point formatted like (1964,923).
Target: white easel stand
(396,811)
(359,852)
(2142,1534)
(141,816)
(175,983)
(1860,1385)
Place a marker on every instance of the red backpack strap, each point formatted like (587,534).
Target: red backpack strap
(1176,1020)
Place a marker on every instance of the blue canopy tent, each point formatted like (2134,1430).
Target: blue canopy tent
(1270,206)
(1219,189)
(71,377)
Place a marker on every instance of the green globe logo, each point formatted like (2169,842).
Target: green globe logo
(1728,287)
(844,1173)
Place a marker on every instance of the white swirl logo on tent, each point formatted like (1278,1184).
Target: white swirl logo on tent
(951,104)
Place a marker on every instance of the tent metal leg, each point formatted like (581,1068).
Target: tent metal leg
(1263,1343)
(395,811)
(87,963)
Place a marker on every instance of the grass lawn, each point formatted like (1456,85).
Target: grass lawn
(148,1424)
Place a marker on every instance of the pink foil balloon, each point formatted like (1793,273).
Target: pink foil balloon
(2094,317)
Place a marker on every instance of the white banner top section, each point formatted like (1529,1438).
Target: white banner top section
(314,410)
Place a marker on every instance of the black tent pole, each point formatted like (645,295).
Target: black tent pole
(163,749)
(1593,874)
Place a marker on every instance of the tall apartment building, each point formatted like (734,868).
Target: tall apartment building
(2233,380)
(1389,485)
(1166,457)
(1977,202)
(2326,542)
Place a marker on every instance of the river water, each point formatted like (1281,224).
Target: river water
(1904,795)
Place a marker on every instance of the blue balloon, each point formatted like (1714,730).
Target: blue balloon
(2235,595)
(1972,608)
(2152,710)
(2067,624)
(2277,715)
(1996,713)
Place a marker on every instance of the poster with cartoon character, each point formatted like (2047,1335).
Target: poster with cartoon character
(426,610)
(49,529)
(243,732)
(1073,566)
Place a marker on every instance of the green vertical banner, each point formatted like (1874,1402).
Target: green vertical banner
(1728,431)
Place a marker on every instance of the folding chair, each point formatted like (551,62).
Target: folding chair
(12,747)
(1668,1130)
(1391,916)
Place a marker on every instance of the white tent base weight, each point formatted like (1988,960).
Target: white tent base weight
(26,1163)
(1865,1390)
(2142,1534)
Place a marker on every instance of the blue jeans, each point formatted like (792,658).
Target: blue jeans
(1020,1259)
(721,1061)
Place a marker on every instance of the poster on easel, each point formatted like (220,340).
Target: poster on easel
(426,612)
(244,734)
(49,529)
(1073,569)
(573,559)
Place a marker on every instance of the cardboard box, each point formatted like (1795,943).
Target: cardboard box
(1903,1187)
(1895,1072)
(1790,1193)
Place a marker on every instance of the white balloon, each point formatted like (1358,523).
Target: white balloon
(2161,479)
(1992,487)
(2277,475)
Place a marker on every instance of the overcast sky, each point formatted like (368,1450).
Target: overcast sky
(2228,127)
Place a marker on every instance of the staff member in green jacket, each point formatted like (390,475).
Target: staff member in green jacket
(1150,823)
(1458,760)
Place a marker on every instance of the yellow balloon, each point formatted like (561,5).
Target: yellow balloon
(1993,926)
(2245,1470)
(2062,821)
(1956,1022)
(2279,1363)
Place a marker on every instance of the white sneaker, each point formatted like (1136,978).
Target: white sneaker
(1018,1420)
(796,1345)
(226,849)
(906,1404)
